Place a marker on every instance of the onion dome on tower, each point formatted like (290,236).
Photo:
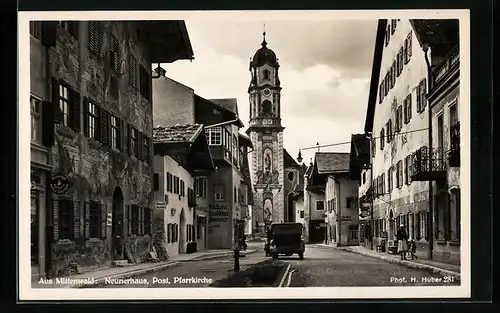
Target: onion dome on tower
(264,56)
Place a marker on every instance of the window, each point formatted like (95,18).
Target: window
(266,74)
(408,54)
(95,221)
(389,131)
(134,220)
(389,179)
(393,73)
(92,120)
(393,26)
(114,60)
(201,187)
(64,104)
(219,192)
(183,188)
(65,219)
(453,114)
(156,182)
(387,35)
(423,225)
(382,183)
(380,96)
(71,27)
(407,170)
(114,131)
(133,142)
(169,233)
(235,195)
(235,151)
(363,180)
(34,227)
(301,213)
(407,109)
(421,93)
(132,71)
(353,232)
(36,29)
(95,37)
(35,106)
(214,136)
(400,61)
(399,174)
(382,135)
(176,184)
(320,205)
(169,182)
(351,202)
(199,227)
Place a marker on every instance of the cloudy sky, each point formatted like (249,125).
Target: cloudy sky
(325,71)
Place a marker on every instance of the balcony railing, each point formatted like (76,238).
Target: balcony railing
(454,152)
(428,164)
(449,63)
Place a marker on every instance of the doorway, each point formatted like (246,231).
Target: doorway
(182,232)
(117,225)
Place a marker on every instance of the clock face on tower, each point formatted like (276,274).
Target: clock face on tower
(267,92)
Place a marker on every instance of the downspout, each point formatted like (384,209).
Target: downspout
(430,231)
(337,183)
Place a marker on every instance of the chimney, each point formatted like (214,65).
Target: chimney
(161,71)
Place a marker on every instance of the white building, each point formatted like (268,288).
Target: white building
(181,155)
(397,117)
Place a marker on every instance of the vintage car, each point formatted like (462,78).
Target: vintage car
(285,239)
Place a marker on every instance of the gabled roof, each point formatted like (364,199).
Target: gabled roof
(230,104)
(375,76)
(229,114)
(289,161)
(177,133)
(441,34)
(332,162)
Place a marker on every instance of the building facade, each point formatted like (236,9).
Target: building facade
(397,120)
(181,156)
(272,185)
(91,92)
(444,132)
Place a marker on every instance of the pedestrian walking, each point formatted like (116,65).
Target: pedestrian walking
(402,238)
(412,247)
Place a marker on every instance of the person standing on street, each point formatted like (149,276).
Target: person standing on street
(402,238)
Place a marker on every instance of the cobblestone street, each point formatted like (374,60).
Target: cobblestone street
(323,267)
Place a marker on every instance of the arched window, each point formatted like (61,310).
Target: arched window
(267,108)
(266,74)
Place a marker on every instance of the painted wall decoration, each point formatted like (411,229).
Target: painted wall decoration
(268,161)
(268,211)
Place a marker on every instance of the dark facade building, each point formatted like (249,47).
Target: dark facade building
(91,106)
(440,164)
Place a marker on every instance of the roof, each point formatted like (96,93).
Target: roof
(375,76)
(245,140)
(289,161)
(437,33)
(332,162)
(177,133)
(264,56)
(230,104)
(360,154)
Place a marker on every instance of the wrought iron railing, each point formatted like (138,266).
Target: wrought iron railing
(448,63)
(427,160)
(454,152)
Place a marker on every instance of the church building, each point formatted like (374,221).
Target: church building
(268,161)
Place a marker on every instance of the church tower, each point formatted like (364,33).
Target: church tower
(266,134)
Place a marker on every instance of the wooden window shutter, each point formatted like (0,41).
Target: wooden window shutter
(107,126)
(74,98)
(87,220)
(104,126)
(55,100)
(409,107)
(123,135)
(47,124)
(49,33)
(104,217)
(409,45)
(86,117)
(55,218)
(76,219)
(129,141)
(139,146)
(95,36)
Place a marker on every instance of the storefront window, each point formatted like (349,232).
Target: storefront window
(34,228)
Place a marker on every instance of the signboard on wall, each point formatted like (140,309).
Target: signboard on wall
(160,205)
(109,220)
(60,184)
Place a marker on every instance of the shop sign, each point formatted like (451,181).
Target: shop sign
(346,218)
(109,220)
(60,184)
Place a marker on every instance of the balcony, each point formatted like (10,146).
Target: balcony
(454,152)
(449,64)
(428,164)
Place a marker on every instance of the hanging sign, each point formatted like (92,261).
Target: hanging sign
(60,184)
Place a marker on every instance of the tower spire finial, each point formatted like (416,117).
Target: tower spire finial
(264,43)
